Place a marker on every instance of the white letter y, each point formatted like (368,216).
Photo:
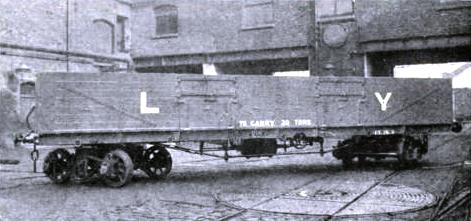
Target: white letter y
(383,102)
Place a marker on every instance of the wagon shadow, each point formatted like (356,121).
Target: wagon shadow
(211,174)
(214,173)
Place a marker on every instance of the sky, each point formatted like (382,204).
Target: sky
(462,80)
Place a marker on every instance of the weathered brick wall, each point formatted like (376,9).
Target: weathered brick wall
(33,34)
(392,19)
(385,33)
(212,26)
(41,24)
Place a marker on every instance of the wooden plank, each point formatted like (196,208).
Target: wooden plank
(412,102)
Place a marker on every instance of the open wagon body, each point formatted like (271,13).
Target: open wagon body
(255,115)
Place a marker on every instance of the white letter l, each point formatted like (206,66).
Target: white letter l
(144,108)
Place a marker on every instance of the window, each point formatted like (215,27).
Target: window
(121,25)
(27,89)
(166,21)
(257,14)
(330,8)
(103,32)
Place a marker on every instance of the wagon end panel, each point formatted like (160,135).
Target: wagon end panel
(88,103)
(393,101)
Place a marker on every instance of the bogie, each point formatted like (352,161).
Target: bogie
(112,164)
(406,148)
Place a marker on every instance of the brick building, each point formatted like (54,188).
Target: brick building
(64,35)
(327,37)
(227,37)
(371,37)
(61,35)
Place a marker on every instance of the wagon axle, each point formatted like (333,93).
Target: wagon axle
(407,149)
(113,165)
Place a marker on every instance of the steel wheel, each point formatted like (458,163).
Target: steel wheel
(158,162)
(407,154)
(117,168)
(361,160)
(57,165)
(412,155)
(347,162)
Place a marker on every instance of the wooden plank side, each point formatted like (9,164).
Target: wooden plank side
(206,102)
(340,101)
(276,102)
(105,101)
(411,102)
(109,103)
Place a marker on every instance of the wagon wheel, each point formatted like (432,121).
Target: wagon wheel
(84,168)
(57,166)
(117,168)
(300,141)
(158,162)
(412,154)
(407,153)
(347,162)
(361,160)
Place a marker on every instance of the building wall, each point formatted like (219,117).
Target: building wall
(376,36)
(34,33)
(403,19)
(400,32)
(381,34)
(335,39)
(210,26)
(210,30)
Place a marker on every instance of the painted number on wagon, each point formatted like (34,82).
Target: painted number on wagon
(144,108)
(275,123)
(383,101)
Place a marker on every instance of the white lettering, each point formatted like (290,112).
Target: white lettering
(383,102)
(302,122)
(144,108)
(273,123)
(284,123)
(242,123)
(262,123)
(303,193)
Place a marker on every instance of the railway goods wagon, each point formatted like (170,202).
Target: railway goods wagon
(122,122)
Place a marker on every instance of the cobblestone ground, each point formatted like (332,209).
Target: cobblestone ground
(192,190)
